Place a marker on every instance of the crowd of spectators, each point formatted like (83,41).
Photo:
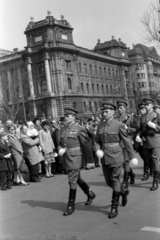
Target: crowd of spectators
(35,144)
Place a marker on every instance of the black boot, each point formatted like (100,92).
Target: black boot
(114,206)
(85,188)
(155,181)
(125,181)
(132,176)
(145,175)
(71,203)
(124,195)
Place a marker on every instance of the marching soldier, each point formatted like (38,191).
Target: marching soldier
(132,125)
(150,133)
(73,141)
(110,134)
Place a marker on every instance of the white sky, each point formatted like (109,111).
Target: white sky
(91,19)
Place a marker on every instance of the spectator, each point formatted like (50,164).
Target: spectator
(31,152)
(18,131)
(37,123)
(47,147)
(6,166)
(17,153)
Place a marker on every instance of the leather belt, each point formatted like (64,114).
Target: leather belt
(73,148)
(111,144)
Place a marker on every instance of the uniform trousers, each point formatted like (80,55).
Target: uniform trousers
(126,161)
(112,175)
(152,157)
(74,178)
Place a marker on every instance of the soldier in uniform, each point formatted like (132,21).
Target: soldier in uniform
(73,140)
(131,125)
(150,133)
(110,134)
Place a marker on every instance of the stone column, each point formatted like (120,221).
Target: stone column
(48,76)
(30,78)
(9,85)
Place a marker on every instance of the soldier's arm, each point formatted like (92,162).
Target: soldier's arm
(97,140)
(127,142)
(133,125)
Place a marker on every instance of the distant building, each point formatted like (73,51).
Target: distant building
(145,71)
(61,74)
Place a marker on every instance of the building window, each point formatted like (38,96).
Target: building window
(95,69)
(68,65)
(87,86)
(100,71)
(104,71)
(69,84)
(112,72)
(79,67)
(92,87)
(90,106)
(111,89)
(85,68)
(90,68)
(107,89)
(74,105)
(109,72)
(82,88)
(117,73)
(131,104)
(40,68)
(102,89)
(85,106)
(97,88)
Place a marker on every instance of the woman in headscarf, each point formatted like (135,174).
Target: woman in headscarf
(17,153)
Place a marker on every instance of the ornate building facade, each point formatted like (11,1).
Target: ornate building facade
(61,74)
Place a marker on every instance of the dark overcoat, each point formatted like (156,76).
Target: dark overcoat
(5,163)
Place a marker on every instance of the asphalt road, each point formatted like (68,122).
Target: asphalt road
(35,212)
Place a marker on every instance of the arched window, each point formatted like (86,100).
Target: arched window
(82,88)
(87,86)
(102,89)
(93,87)
(69,84)
(97,88)
(107,90)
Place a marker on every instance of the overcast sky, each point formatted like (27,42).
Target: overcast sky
(91,19)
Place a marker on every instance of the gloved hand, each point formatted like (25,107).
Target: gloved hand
(99,154)
(138,139)
(61,151)
(125,126)
(134,161)
(151,124)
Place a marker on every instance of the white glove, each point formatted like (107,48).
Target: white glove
(61,151)
(134,161)
(99,154)
(125,126)
(138,139)
(151,124)
(55,154)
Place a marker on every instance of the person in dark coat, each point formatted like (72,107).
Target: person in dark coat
(109,137)
(73,139)
(6,166)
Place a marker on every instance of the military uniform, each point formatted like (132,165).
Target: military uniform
(109,137)
(74,139)
(151,141)
(132,123)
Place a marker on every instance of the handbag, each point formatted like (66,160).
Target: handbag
(23,167)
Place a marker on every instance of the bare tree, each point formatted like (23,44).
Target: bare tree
(150,22)
(13,90)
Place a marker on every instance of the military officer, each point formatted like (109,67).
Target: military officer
(150,133)
(73,141)
(132,125)
(110,134)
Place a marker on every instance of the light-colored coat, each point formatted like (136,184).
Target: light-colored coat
(30,148)
(46,141)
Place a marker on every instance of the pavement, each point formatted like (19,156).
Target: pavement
(35,212)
